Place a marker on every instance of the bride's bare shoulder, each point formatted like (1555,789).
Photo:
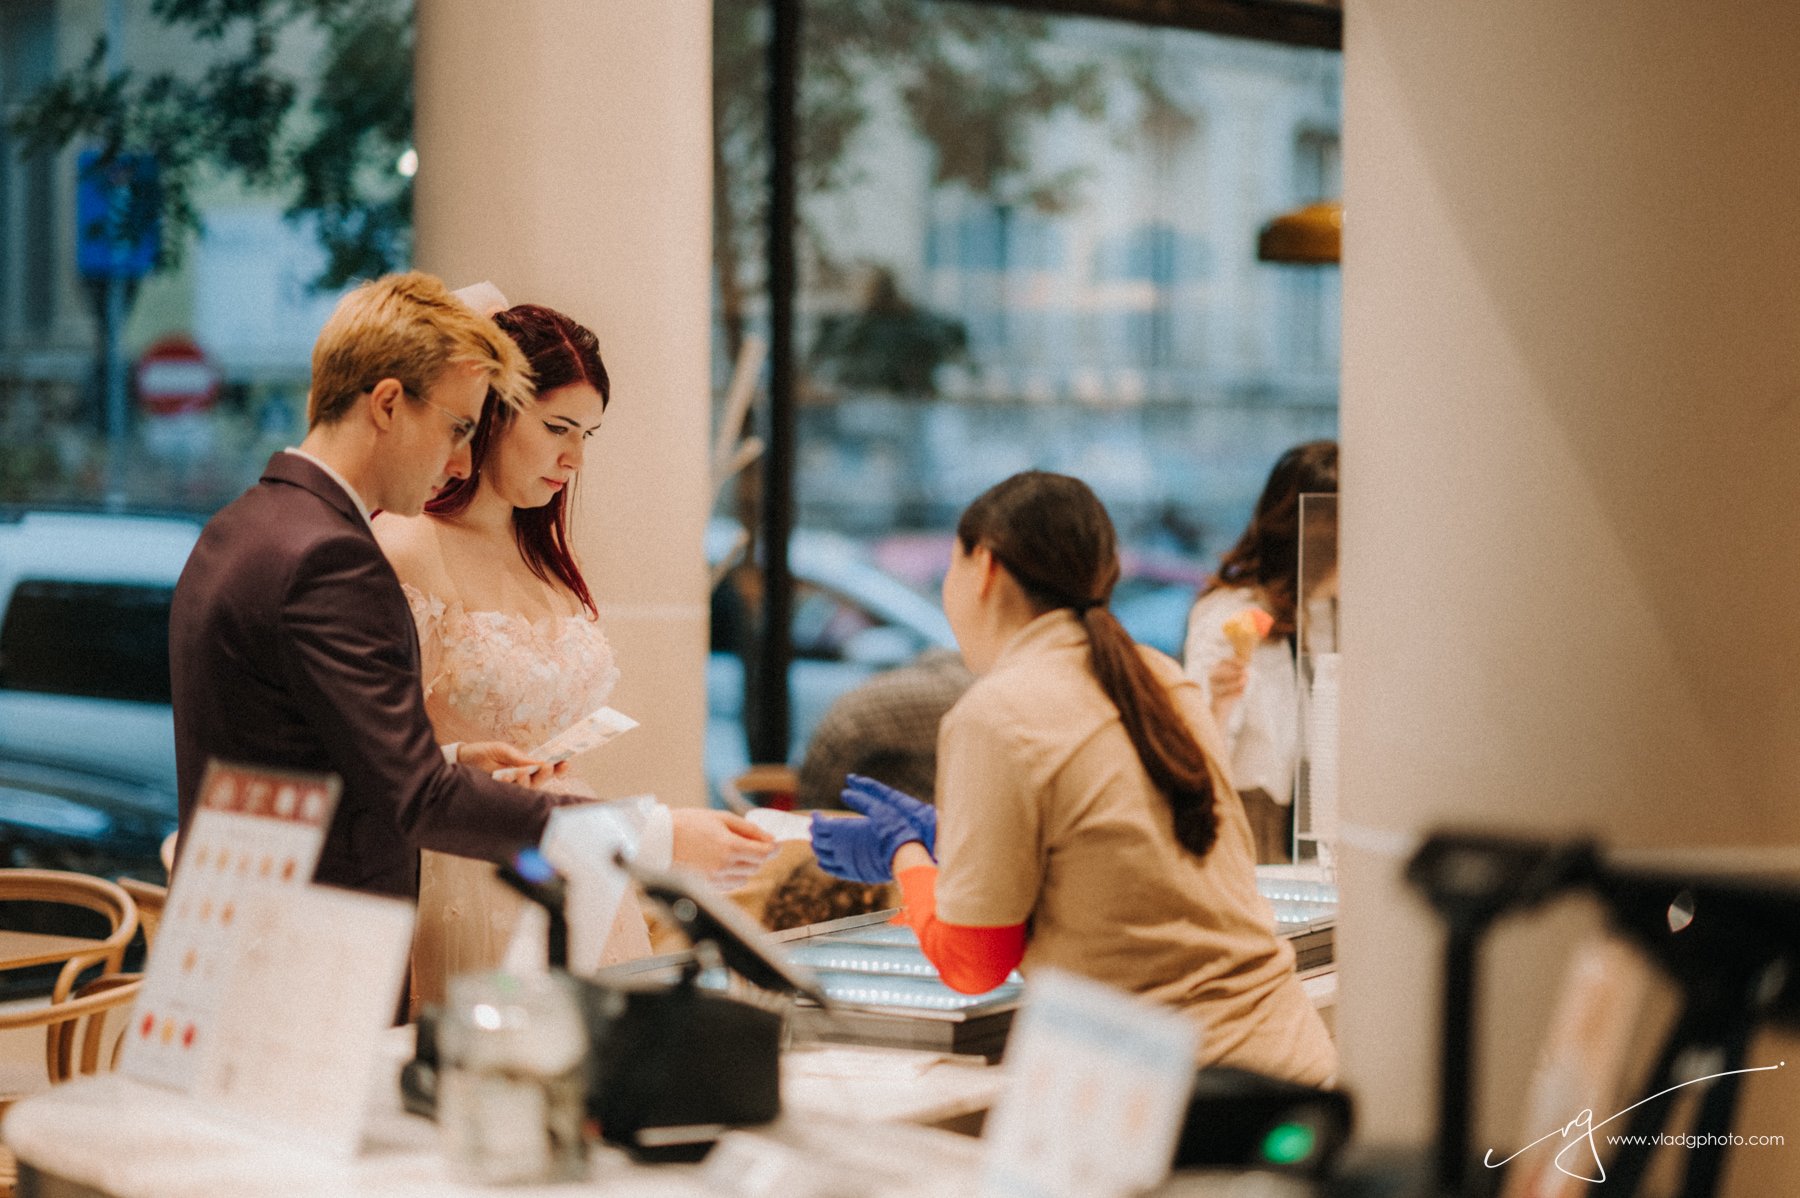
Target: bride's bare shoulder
(412,547)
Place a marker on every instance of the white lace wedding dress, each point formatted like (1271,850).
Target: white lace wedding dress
(494,675)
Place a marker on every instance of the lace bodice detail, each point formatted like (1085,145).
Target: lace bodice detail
(495,675)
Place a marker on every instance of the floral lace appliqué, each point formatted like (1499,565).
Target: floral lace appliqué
(494,675)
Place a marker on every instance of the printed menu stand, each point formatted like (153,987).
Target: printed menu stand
(265,994)
(296,1045)
(255,831)
(1097,1082)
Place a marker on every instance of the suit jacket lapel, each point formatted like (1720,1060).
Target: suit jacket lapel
(291,469)
(294,470)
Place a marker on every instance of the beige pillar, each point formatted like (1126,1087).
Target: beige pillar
(1571,430)
(564,151)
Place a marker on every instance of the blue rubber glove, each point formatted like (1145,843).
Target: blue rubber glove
(922,816)
(862,850)
(852,848)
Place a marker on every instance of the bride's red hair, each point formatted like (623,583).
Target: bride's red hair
(561,353)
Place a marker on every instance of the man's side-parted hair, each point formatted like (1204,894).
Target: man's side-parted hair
(407,327)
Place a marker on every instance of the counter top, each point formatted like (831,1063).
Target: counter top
(117,1136)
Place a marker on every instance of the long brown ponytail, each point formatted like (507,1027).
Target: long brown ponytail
(1053,535)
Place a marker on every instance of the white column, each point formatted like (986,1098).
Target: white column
(564,153)
(1571,431)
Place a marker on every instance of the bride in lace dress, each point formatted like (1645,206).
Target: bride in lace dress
(510,645)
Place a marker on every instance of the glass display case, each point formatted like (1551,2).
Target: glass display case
(884,991)
(1305,909)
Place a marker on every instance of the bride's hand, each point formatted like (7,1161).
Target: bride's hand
(507,763)
(726,848)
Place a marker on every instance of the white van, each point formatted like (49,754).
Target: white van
(86,732)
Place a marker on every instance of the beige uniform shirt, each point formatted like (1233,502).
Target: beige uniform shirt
(1047,817)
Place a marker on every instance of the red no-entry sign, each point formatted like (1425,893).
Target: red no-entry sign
(174,375)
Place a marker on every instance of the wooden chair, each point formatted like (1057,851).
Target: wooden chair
(78,954)
(76,1029)
(77,1036)
(74,1017)
(150,899)
(775,785)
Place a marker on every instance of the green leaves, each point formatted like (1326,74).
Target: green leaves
(345,171)
(240,117)
(973,81)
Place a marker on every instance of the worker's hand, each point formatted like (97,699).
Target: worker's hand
(726,848)
(507,763)
(861,850)
(859,792)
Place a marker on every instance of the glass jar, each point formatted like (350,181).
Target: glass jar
(512,1079)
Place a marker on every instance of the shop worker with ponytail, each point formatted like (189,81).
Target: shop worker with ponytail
(1082,821)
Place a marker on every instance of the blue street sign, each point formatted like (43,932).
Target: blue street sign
(117,204)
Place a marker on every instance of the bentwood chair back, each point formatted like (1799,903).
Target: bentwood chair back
(150,899)
(77,1034)
(75,955)
(79,1039)
(78,954)
(83,1033)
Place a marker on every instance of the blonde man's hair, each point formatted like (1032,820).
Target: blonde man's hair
(407,327)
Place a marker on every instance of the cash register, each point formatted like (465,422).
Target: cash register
(672,1064)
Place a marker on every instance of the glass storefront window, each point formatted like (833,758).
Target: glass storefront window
(1029,242)
(296,180)
(214,350)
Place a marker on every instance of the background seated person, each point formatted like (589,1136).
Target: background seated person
(885,728)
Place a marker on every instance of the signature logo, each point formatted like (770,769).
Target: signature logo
(1584,1127)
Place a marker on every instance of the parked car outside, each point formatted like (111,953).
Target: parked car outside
(1152,598)
(852,619)
(87,761)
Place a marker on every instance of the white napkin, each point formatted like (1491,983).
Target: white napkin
(782,825)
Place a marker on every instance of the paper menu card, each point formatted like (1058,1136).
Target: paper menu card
(589,732)
(296,1041)
(254,832)
(1097,1083)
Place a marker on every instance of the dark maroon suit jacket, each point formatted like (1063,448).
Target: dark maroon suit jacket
(291,646)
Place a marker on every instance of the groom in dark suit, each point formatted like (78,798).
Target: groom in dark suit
(290,643)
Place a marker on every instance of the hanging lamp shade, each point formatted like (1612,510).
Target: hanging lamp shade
(1309,235)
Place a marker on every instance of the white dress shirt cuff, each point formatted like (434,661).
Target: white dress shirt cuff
(656,845)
